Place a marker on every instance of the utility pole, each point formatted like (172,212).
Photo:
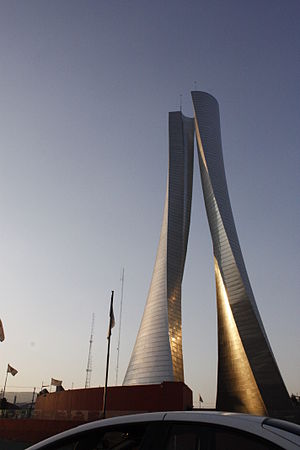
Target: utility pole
(89,362)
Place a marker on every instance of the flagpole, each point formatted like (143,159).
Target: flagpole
(108,351)
(5,383)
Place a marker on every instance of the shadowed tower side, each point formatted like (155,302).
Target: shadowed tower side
(157,354)
(248,376)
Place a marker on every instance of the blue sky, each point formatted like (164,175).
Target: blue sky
(86,87)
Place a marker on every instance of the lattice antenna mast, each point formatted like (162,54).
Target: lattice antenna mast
(120,323)
(89,362)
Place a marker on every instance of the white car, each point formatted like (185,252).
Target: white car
(188,430)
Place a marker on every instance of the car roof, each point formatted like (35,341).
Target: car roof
(236,420)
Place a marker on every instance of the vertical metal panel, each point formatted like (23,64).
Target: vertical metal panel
(157,354)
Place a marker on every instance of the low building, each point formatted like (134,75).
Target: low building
(87,404)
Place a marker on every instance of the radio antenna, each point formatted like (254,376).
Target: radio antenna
(120,323)
(89,362)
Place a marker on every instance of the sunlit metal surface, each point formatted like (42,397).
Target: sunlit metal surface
(248,377)
(241,376)
(157,354)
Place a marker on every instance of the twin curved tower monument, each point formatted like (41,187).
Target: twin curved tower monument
(248,376)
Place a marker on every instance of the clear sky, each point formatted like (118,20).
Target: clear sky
(86,87)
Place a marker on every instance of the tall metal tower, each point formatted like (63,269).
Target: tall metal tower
(89,362)
(157,354)
(249,380)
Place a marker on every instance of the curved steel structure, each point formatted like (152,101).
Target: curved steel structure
(157,354)
(248,377)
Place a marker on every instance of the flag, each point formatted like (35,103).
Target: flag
(112,321)
(11,370)
(2,336)
(112,317)
(55,382)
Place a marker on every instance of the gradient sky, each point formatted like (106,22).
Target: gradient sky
(86,87)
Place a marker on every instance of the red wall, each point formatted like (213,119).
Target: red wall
(71,408)
(85,404)
(31,431)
